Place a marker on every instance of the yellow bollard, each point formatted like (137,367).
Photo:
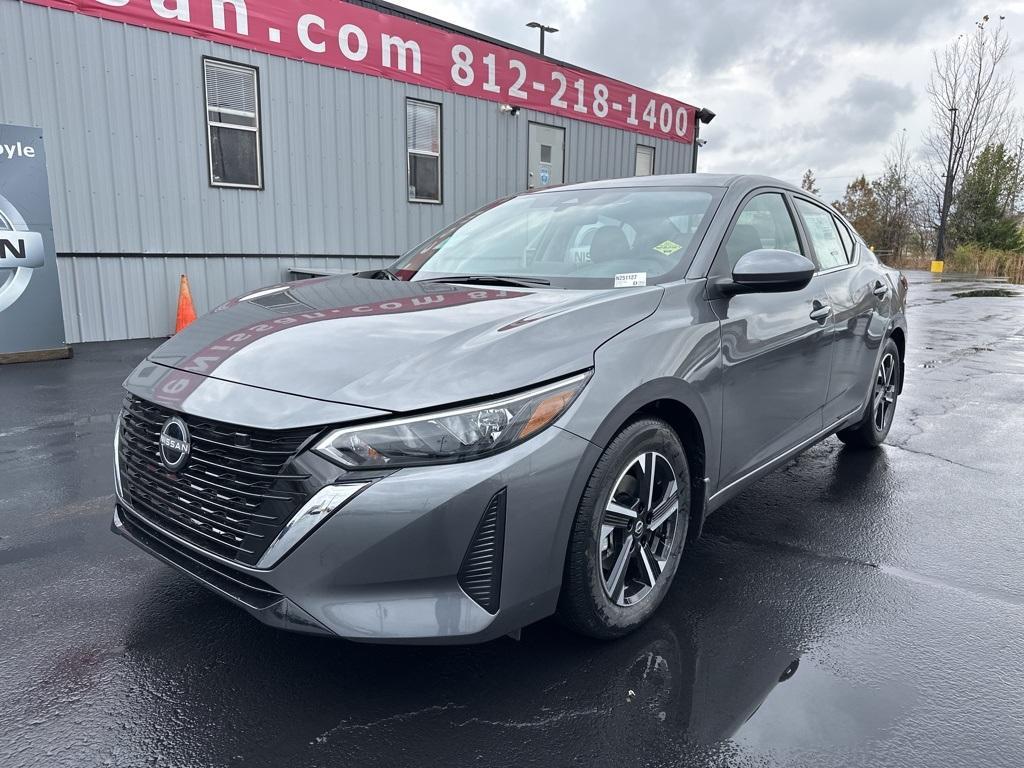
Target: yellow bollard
(937,266)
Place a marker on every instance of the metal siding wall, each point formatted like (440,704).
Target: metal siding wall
(123,297)
(122,108)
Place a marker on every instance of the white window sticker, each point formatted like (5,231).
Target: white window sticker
(630,279)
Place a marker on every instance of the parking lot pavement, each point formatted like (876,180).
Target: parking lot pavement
(852,608)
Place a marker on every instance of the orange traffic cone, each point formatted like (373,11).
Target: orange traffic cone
(186,312)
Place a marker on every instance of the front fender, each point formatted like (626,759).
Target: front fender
(675,354)
(641,398)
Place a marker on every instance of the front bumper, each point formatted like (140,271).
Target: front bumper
(385,567)
(257,597)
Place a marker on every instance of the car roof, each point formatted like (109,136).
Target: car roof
(732,180)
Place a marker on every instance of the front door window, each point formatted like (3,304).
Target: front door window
(764,223)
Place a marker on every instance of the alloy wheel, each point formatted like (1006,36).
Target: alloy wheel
(884,403)
(639,528)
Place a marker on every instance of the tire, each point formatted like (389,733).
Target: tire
(873,427)
(606,593)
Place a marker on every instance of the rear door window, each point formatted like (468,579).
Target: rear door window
(846,237)
(824,236)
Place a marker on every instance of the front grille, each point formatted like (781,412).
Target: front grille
(480,574)
(241,586)
(233,495)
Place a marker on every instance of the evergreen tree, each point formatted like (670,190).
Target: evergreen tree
(984,210)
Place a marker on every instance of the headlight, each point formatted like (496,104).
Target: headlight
(449,436)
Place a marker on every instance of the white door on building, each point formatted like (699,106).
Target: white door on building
(546,156)
(644,160)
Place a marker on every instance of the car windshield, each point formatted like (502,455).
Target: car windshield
(570,238)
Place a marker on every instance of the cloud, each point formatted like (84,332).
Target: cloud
(640,39)
(866,113)
(789,72)
(903,21)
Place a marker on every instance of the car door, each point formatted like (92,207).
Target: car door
(854,292)
(776,347)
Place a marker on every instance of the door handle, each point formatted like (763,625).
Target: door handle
(880,290)
(820,311)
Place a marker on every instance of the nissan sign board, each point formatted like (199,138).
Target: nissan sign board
(31,322)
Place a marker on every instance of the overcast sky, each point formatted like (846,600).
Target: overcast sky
(824,84)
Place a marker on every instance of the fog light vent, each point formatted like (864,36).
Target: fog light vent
(480,574)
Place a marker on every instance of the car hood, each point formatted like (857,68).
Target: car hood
(402,346)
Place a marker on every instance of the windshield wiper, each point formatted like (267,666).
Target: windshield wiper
(525,282)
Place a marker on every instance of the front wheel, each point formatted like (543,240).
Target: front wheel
(873,427)
(629,532)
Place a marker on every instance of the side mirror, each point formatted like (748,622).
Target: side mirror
(767,270)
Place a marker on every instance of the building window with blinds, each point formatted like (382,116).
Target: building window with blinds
(233,124)
(644,160)
(423,144)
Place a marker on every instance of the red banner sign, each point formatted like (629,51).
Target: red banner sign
(351,37)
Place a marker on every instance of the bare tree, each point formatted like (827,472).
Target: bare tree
(809,183)
(971,95)
(895,195)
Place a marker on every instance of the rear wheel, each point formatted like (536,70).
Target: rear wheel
(872,429)
(629,532)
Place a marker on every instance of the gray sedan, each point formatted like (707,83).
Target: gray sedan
(531,413)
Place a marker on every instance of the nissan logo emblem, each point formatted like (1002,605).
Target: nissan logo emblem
(21,252)
(174,444)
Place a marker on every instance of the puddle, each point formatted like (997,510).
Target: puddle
(985,293)
(819,710)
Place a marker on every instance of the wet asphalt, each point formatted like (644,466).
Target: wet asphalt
(850,609)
